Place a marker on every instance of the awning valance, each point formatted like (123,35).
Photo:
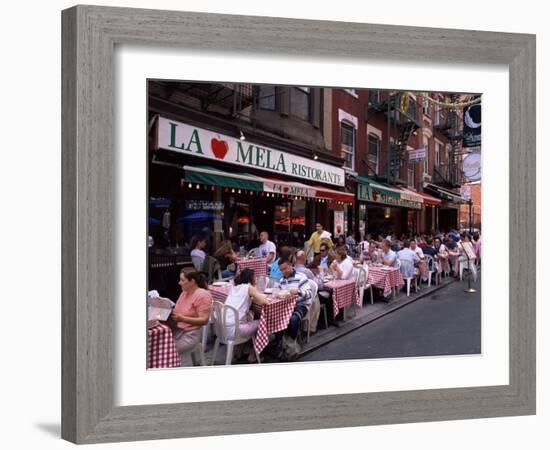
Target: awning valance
(378,187)
(443,193)
(369,190)
(409,194)
(217,177)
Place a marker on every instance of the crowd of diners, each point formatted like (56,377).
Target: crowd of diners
(295,270)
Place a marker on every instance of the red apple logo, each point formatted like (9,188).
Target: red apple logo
(219,148)
(338,229)
(286,189)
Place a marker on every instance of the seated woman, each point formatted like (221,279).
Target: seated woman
(227,258)
(191,312)
(342,266)
(198,254)
(241,296)
(442,255)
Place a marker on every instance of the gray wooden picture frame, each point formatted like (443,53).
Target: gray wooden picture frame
(90,34)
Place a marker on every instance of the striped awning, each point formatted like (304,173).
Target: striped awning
(245,181)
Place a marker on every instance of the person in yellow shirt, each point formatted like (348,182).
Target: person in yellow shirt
(317,237)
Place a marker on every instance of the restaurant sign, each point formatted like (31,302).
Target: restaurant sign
(203,205)
(365,193)
(186,139)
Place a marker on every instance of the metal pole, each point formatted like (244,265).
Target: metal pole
(470,213)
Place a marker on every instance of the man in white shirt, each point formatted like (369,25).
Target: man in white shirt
(267,248)
(415,248)
(389,257)
(408,254)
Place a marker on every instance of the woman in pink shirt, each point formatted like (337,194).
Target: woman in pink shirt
(191,312)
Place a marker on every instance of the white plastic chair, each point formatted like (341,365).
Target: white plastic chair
(220,313)
(314,298)
(409,274)
(432,269)
(197,262)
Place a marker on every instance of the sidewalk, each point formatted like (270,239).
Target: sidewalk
(355,319)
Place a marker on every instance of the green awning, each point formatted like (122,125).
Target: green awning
(378,187)
(209,175)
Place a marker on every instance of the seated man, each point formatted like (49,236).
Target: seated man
(407,254)
(322,261)
(389,256)
(296,284)
(300,265)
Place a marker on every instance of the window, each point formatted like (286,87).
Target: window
(347,139)
(426,107)
(267,98)
(373,154)
(374,97)
(427,159)
(300,102)
(437,145)
(410,174)
(437,118)
(411,108)
(352,92)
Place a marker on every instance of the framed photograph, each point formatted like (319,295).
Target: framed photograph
(184,174)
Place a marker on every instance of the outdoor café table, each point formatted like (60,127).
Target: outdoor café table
(344,293)
(274,316)
(161,348)
(385,278)
(258,265)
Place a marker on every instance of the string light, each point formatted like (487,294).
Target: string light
(197,186)
(226,190)
(189,185)
(232,191)
(213,188)
(239,191)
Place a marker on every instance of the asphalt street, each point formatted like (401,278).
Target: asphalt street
(446,323)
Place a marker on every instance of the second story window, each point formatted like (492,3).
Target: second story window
(347,139)
(437,148)
(266,98)
(300,102)
(427,158)
(410,174)
(374,96)
(426,107)
(373,154)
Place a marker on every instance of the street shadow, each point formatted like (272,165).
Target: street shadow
(53,429)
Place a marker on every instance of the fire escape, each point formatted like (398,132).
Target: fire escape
(401,112)
(237,100)
(449,125)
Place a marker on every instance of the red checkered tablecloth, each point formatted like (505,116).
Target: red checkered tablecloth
(273,317)
(344,293)
(385,278)
(423,267)
(219,293)
(161,348)
(258,265)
